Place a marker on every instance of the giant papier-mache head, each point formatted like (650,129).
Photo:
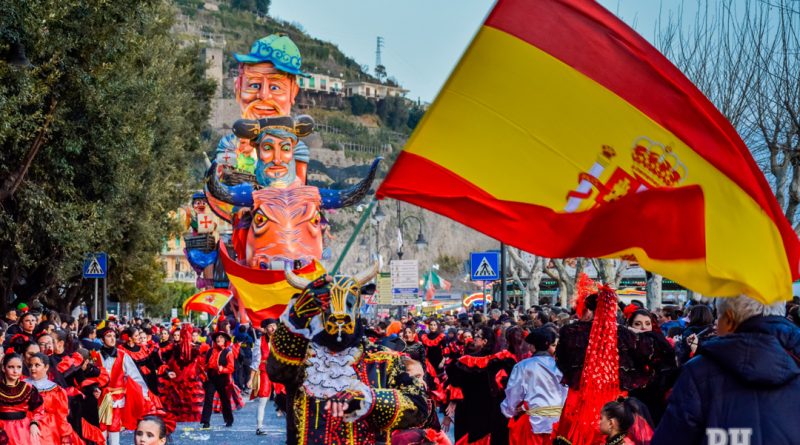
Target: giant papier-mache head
(341,318)
(267,82)
(271,135)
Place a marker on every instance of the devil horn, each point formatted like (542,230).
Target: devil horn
(240,195)
(366,275)
(296,281)
(337,199)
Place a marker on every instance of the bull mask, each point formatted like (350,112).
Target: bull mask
(341,316)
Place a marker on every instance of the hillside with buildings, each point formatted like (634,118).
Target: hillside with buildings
(358,117)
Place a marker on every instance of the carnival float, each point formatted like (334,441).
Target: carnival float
(257,184)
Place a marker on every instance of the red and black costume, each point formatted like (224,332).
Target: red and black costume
(20,405)
(183,394)
(434,343)
(481,379)
(148,362)
(218,364)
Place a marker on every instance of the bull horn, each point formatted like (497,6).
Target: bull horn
(366,275)
(296,281)
(337,199)
(240,195)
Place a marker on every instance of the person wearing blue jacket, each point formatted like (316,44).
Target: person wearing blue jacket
(743,386)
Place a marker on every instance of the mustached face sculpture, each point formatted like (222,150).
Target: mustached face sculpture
(264,91)
(276,166)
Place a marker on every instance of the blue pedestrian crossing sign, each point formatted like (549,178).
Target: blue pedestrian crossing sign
(484,266)
(95,265)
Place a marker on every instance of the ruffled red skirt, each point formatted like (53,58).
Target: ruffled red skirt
(18,432)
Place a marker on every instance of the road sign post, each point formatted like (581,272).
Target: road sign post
(96,266)
(485,309)
(484,267)
(96,280)
(405,282)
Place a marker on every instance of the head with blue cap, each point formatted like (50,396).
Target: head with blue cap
(267,82)
(199,202)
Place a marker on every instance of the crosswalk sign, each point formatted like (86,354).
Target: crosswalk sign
(95,265)
(484,266)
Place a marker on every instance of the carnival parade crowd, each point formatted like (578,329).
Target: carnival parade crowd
(494,378)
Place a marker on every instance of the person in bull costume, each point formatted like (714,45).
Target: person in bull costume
(342,389)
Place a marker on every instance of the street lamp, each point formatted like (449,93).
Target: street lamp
(421,242)
(378,216)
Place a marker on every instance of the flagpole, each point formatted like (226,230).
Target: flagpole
(219,312)
(347,246)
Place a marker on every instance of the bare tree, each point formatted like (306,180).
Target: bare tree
(566,280)
(533,270)
(654,286)
(745,57)
(610,271)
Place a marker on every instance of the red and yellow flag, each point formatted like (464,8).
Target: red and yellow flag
(264,293)
(564,133)
(209,301)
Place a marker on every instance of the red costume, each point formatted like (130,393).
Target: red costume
(265,385)
(126,389)
(55,429)
(219,364)
(183,394)
(20,405)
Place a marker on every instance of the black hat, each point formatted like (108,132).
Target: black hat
(268,321)
(222,333)
(541,338)
(394,343)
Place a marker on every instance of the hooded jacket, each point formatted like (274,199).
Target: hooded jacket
(748,379)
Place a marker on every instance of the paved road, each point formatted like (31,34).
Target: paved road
(242,432)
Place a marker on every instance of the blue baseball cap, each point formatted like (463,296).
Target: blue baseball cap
(277,49)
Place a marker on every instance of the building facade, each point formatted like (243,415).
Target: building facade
(374,90)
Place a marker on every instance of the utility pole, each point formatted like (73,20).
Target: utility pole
(380,70)
(503,296)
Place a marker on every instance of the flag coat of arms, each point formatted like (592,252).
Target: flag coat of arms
(564,133)
(209,301)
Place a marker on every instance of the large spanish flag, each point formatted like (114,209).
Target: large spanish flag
(264,293)
(564,133)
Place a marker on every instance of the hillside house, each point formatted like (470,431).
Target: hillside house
(375,90)
(322,83)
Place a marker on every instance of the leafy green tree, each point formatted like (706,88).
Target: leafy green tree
(262,6)
(98,137)
(361,105)
(393,111)
(245,5)
(414,116)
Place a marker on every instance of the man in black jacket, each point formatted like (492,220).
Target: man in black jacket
(743,384)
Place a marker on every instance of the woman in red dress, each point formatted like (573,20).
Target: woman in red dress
(262,387)
(55,429)
(21,410)
(183,390)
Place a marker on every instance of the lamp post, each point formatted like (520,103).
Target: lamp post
(421,242)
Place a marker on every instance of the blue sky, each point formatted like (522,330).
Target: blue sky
(423,39)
